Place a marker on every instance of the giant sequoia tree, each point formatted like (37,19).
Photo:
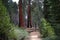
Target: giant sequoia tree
(21,20)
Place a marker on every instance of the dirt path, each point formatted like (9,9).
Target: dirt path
(34,36)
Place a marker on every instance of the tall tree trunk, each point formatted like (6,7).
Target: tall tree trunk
(21,20)
(29,15)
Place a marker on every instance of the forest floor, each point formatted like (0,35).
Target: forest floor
(34,35)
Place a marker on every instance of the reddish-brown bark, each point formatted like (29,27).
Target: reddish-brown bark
(29,15)
(21,20)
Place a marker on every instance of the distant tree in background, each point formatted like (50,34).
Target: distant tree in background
(12,8)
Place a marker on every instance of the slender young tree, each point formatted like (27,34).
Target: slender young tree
(29,14)
(21,21)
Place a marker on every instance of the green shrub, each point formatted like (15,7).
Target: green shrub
(47,30)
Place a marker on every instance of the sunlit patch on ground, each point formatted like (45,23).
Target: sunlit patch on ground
(34,36)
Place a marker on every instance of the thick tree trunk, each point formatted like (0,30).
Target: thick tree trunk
(29,15)
(21,20)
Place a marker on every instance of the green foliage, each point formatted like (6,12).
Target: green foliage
(52,14)
(10,30)
(47,30)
